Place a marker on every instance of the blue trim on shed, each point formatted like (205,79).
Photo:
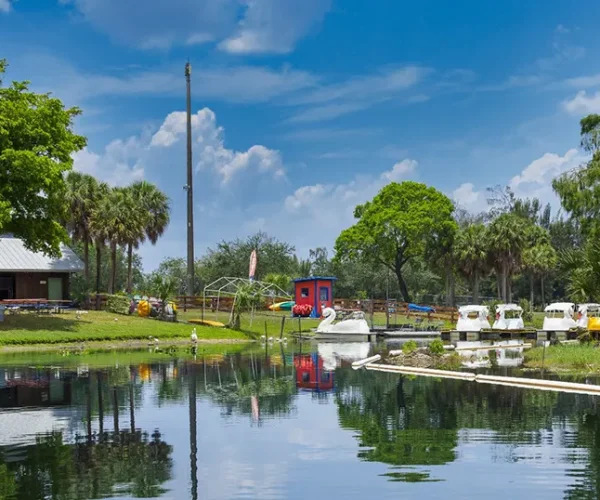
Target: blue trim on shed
(315,278)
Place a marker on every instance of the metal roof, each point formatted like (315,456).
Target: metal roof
(313,278)
(14,257)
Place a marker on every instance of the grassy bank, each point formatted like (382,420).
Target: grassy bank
(576,357)
(27,328)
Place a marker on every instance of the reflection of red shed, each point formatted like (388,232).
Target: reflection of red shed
(310,374)
(316,291)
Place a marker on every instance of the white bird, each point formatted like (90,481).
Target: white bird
(270,339)
(116,319)
(194,336)
(262,337)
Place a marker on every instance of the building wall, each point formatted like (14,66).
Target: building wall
(30,286)
(314,294)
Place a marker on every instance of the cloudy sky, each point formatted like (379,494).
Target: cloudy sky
(301,110)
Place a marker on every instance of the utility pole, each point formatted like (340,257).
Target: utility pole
(188,187)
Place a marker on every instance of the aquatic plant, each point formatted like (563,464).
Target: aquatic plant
(436,347)
(409,347)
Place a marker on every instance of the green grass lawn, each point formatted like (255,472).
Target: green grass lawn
(256,325)
(575,357)
(31,328)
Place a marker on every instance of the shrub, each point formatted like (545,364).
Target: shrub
(527,312)
(117,304)
(436,347)
(409,347)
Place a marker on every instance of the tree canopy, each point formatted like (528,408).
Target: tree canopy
(398,225)
(36,147)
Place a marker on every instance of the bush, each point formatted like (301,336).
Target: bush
(117,304)
(527,312)
(436,347)
(409,347)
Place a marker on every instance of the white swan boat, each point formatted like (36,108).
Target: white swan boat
(333,354)
(509,317)
(480,358)
(472,318)
(559,317)
(356,325)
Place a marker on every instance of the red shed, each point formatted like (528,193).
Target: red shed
(316,291)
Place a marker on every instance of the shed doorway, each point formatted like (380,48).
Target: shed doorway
(55,288)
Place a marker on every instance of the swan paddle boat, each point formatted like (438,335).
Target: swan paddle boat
(472,318)
(559,317)
(588,316)
(509,317)
(333,354)
(356,325)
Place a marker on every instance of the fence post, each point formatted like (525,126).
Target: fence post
(184,303)
(282,326)
(266,336)
(300,326)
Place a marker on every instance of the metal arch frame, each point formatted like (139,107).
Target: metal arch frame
(221,285)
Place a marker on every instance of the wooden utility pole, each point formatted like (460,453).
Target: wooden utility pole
(190,192)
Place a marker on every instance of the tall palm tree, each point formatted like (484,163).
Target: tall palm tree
(82,196)
(110,225)
(154,208)
(98,228)
(507,236)
(538,260)
(471,254)
(134,233)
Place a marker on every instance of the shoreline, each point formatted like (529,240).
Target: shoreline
(119,344)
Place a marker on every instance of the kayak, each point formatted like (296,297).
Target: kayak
(282,306)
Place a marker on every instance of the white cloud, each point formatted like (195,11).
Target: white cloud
(199,38)
(562,29)
(210,146)
(583,104)
(400,170)
(584,81)
(235,83)
(111,167)
(261,26)
(5,6)
(334,100)
(542,170)
(467,197)
(330,207)
(534,181)
(274,25)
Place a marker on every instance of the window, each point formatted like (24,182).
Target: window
(304,293)
(324,294)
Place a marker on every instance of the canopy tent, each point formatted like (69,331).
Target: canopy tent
(229,287)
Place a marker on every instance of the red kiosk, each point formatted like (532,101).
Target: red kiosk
(316,291)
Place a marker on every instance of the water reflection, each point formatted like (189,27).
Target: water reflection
(286,423)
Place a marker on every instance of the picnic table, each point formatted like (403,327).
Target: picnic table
(15,306)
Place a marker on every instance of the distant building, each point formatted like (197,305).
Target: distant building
(29,275)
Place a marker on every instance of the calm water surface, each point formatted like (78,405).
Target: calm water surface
(281,423)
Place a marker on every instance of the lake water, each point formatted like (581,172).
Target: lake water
(291,423)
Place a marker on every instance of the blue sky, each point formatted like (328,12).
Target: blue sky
(304,109)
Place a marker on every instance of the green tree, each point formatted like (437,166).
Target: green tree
(150,219)
(507,236)
(246,299)
(282,281)
(232,258)
(538,260)
(471,253)
(36,147)
(579,189)
(396,227)
(82,196)
(580,267)
(99,229)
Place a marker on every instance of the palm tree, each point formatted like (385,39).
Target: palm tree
(538,260)
(99,229)
(507,235)
(82,196)
(110,225)
(134,232)
(471,254)
(153,207)
(581,268)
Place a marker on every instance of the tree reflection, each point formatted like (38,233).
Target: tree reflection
(134,464)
